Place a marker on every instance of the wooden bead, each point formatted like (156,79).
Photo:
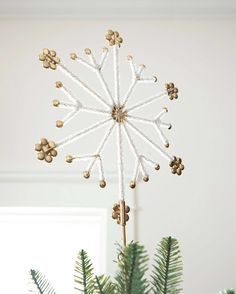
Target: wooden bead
(52,144)
(86,174)
(179,160)
(181,166)
(170,127)
(44,141)
(55,103)
(56,60)
(48,158)
(46,64)
(132,184)
(171,85)
(115,215)
(145,178)
(41,155)
(87,51)
(126,217)
(179,171)
(73,56)
(46,51)
(127,209)
(167,145)
(173,171)
(172,162)
(53,53)
(174,95)
(116,207)
(59,84)
(38,147)
(53,65)
(157,167)
(155,79)
(102,184)
(53,152)
(59,123)
(120,40)
(42,57)
(69,158)
(129,57)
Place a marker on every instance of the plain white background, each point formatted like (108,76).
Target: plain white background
(198,54)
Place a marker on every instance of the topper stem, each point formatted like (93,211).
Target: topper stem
(123,222)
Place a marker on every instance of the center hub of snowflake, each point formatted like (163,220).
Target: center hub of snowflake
(118,114)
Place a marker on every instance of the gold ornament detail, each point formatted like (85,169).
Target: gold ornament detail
(46,150)
(59,84)
(114,38)
(49,58)
(146,178)
(117,210)
(118,114)
(87,51)
(86,174)
(176,166)
(132,184)
(59,123)
(172,91)
(102,183)
(55,103)
(157,167)
(73,56)
(69,158)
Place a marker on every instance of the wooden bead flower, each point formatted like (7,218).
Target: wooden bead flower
(176,166)
(116,212)
(114,38)
(49,58)
(46,150)
(172,91)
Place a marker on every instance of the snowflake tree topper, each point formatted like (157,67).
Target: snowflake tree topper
(117,116)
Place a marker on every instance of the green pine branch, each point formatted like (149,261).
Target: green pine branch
(84,274)
(41,284)
(130,278)
(103,285)
(228,291)
(167,273)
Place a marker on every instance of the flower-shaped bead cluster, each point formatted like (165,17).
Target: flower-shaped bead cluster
(46,150)
(116,213)
(118,114)
(176,166)
(172,91)
(49,59)
(113,38)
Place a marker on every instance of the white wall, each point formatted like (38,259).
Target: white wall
(199,56)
